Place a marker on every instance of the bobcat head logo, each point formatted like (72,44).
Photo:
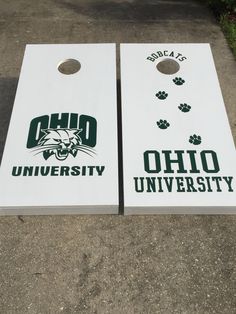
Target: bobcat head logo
(61,143)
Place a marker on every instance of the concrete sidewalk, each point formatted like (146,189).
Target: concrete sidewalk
(114,264)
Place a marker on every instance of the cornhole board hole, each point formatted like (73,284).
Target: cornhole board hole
(61,150)
(178,151)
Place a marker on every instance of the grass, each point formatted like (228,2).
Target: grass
(228,24)
(225,12)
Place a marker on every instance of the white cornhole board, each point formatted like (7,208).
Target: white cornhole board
(203,179)
(61,150)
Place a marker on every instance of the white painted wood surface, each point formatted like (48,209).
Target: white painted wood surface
(82,175)
(196,127)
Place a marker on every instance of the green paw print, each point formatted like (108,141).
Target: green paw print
(178,81)
(163,124)
(195,139)
(161,95)
(184,107)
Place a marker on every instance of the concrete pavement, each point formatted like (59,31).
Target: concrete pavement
(114,264)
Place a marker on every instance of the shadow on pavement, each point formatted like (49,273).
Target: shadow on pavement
(138,10)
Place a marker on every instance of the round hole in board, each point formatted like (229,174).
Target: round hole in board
(69,66)
(168,66)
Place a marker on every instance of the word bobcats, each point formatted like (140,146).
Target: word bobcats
(62,135)
(166,53)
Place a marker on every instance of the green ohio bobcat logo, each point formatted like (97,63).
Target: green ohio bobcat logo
(62,135)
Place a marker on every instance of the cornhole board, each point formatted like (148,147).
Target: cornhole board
(60,155)
(178,150)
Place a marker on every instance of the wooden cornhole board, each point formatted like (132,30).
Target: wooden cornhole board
(178,151)
(61,150)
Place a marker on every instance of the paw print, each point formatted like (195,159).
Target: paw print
(184,107)
(178,81)
(161,95)
(195,139)
(163,124)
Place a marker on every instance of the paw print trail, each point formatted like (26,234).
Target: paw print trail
(195,139)
(178,81)
(161,95)
(163,124)
(184,107)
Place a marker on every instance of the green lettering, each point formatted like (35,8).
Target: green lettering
(156,158)
(100,170)
(28,171)
(137,188)
(16,171)
(208,184)
(169,183)
(91,168)
(193,161)
(65,171)
(54,170)
(73,120)
(180,184)
(75,171)
(200,181)
(190,184)
(170,161)
(213,156)
(229,180)
(217,181)
(35,130)
(89,130)
(160,184)
(151,59)
(59,122)
(154,56)
(151,184)
(178,55)
(45,170)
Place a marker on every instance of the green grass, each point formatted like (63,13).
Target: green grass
(229,27)
(225,12)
